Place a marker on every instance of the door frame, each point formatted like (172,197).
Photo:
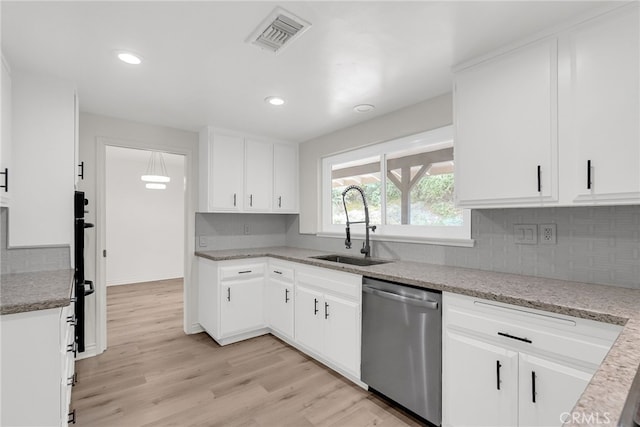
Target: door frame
(190,323)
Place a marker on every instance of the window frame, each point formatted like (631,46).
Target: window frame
(444,235)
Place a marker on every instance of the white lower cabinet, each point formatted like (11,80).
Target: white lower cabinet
(37,367)
(482,382)
(279,299)
(506,365)
(314,309)
(547,389)
(231,304)
(327,316)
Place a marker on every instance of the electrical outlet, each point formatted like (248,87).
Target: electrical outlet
(525,234)
(202,242)
(246,229)
(548,234)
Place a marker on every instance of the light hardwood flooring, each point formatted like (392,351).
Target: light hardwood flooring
(153,374)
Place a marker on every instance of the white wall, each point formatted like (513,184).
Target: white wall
(94,126)
(427,115)
(145,228)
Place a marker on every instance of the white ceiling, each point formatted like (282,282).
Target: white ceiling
(198,70)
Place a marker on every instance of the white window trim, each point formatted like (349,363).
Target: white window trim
(440,235)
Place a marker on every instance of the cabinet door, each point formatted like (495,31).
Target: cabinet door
(258,176)
(285,178)
(309,318)
(506,129)
(227,173)
(480,383)
(279,306)
(342,333)
(5,143)
(208,297)
(241,305)
(600,99)
(42,180)
(547,390)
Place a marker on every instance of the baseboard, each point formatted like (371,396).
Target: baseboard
(89,351)
(195,328)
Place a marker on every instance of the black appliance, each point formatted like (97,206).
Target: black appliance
(83,287)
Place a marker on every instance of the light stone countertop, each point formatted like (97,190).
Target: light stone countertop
(35,291)
(605,395)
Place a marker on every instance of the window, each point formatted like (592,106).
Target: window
(409,186)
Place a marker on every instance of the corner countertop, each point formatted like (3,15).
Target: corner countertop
(35,291)
(606,393)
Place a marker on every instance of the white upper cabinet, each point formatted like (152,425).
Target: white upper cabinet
(5,145)
(246,174)
(506,133)
(554,122)
(599,106)
(221,171)
(43,144)
(285,178)
(258,175)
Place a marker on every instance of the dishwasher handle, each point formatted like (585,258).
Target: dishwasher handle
(395,297)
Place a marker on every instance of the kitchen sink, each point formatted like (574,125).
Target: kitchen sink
(345,259)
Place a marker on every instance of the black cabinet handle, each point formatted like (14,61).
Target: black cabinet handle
(533,386)
(279,201)
(315,306)
(539,179)
(588,174)
(71,417)
(251,200)
(81,166)
(72,348)
(286,296)
(244,271)
(228,294)
(6,180)
(513,337)
(498,366)
(234,200)
(326,310)
(277,272)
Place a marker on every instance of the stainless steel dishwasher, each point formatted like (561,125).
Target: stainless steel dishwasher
(402,345)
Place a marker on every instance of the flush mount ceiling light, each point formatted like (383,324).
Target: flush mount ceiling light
(129,58)
(363,108)
(274,100)
(156,172)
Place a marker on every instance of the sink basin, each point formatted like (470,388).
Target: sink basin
(346,259)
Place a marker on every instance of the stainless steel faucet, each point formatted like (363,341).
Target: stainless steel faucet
(366,248)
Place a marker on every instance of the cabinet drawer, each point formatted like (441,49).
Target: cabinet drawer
(531,330)
(345,284)
(278,271)
(241,271)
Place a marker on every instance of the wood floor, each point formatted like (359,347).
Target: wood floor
(152,374)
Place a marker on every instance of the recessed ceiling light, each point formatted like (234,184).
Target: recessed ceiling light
(129,58)
(274,100)
(363,108)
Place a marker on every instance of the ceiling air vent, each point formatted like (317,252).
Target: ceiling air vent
(278,30)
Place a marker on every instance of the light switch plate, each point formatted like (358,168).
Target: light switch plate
(202,241)
(525,234)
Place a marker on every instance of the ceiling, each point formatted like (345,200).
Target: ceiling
(198,70)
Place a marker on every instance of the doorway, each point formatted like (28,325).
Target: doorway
(187,152)
(144,223)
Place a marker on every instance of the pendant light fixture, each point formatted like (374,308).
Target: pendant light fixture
(156,174)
